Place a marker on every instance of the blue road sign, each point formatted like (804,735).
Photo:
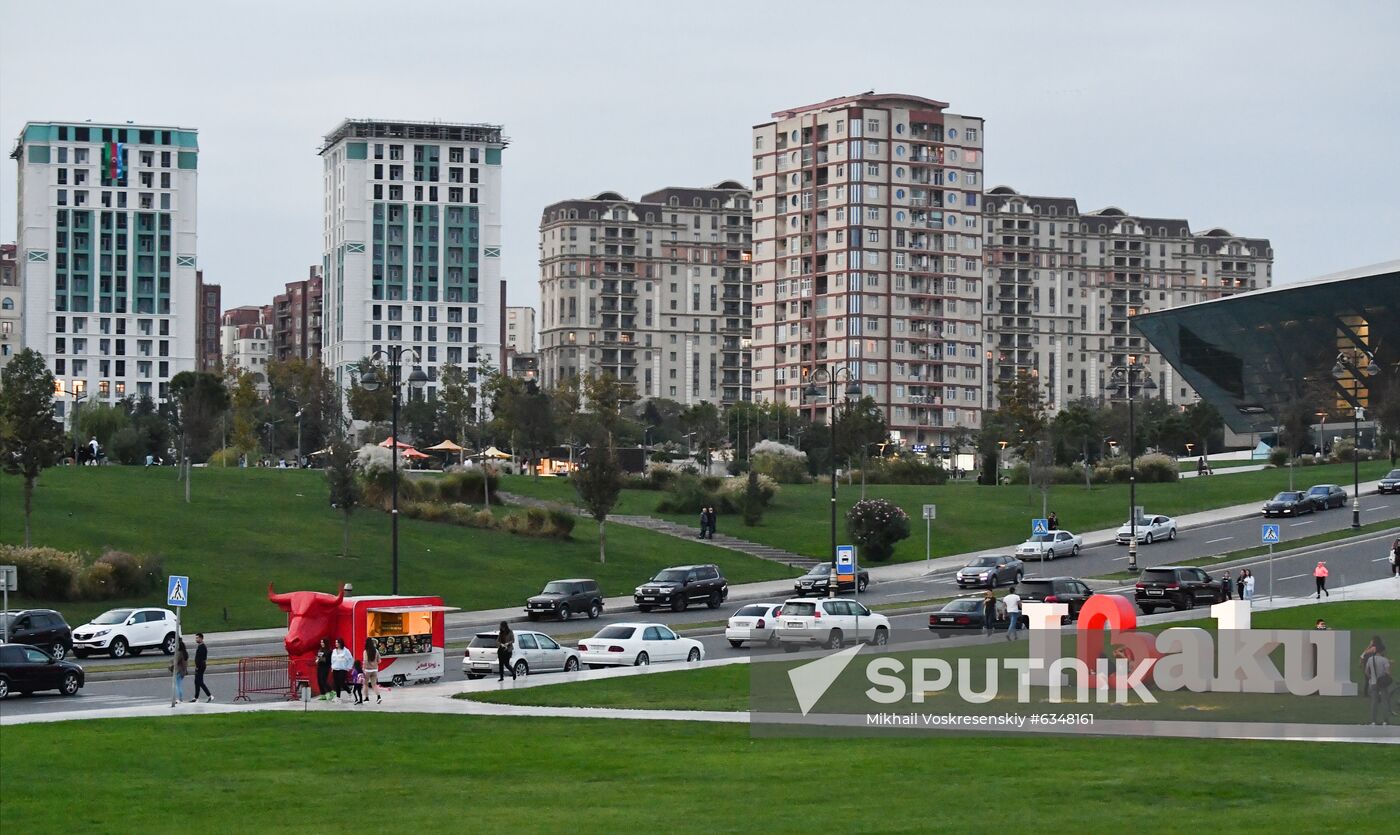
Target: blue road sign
(1269,534)
(845,559)
(1040,526)
(177,591)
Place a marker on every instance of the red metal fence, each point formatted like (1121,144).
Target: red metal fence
(265,674)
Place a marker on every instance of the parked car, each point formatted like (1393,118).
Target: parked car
(817,581)
(755,623)
(1069,590)
(1327,496)
(637,644)
(40,628)
(122,632)
(1150,529)
(1391,483)
(1047,546)
(964,615)
(564,598)
(830,622)
(26,669)
(991,571)
(1180,587)
(535,652)
(1289,503)
(682,585)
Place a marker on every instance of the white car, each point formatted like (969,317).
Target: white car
(1150,529)
(637,644)
(1047,546)
(831,622)
(755,623)
(535,652)
(123,632)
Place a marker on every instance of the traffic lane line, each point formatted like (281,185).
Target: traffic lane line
(1222,539)
(1296,524)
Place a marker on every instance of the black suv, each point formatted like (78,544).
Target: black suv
(1069,590)
(26,669)
(1180,587)
(40,628)
(817,581)
(562,598)
(682,585)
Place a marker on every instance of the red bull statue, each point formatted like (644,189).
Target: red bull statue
(311,616)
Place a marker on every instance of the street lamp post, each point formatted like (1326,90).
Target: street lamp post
(393,355)
(1351,365)
(1125,378)
(996,475)
(819,377)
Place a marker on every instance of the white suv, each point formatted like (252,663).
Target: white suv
(123,632)
(831,622)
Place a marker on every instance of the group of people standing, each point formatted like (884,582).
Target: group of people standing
(181,668)
(339,670)
(1241,587)
(707,522)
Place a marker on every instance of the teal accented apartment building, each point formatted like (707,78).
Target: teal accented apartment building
(107,248)
(412,244)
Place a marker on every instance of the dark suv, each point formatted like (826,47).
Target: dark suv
(682,585)
(1069,590)
(40,628)
(562,598)
(817,581)
(1180,587)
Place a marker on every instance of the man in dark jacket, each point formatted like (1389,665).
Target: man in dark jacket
(201,660)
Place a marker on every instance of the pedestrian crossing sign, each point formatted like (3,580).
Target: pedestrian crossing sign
(1268,534)
(1039,527)
(177,592)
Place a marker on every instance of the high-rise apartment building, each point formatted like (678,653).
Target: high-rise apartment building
(246,341)
(11,303)
(107,255)
(1061,286)
(207,333)
(520,329)
(296,325)
(655,291)
(868,259)
(412,244)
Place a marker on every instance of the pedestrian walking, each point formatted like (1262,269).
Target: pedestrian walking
(1378,676)
(371,668)
(357,682)
(713,520)
(989,613)
(201,661)
(1226,585)
(181,668)
(1395,558)
(1249,586)
(1013,613)
(1239,583)
(1320,575)
(505,648)
(341,664)
(704,521)
(323,669)
(1053,521)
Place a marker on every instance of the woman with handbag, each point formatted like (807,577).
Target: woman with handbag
(505,648)
(181,668)
(371,667)
(323,669)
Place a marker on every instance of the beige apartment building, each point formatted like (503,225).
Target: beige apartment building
(868,259)
(1061,286)
(655,291)
(11,304)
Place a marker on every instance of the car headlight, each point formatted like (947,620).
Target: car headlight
(99,633)
(985,574)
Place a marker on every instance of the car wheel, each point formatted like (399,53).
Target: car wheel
(882,636)
(772,641)
(167,646)
(835,640)
(521,669)
(1049,555)
(70,685)
(862,585)
(714,600)
(694,655)
(564,612)
(1147,540)
(571,665)
(1171,534)
(4,687)
(595,610)
(474,676)
(1019,575)
(1074,552)
(679,603)
(1186,602)
(118,648)
(58,650)
(1147,610)
(642,660)
(399,681)
(736,644)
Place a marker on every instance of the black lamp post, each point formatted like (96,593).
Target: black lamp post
(1351,365)
(832,381)
(393,355)
(1125,378)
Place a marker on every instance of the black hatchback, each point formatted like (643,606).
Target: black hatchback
(26,669)
(43,628)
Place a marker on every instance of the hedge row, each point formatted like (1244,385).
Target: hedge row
(52,575)
(540,522)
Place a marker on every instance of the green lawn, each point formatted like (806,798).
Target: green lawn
(247,527)
(422,772)
(972,517)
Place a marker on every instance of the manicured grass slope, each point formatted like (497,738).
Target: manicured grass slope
(245,528)
(972,517)
(237,773)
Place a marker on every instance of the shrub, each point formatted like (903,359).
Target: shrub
(687,494)
(126,447)
(875,525)
(1278,456)
(1156,467)
(226,457)
(98,582)
(904,471)
(44,573)
(49,574)
(483,518)
(562,521)
(464,486)
(780,462)
(1121,472)
(753,501)
(133,575)
(733,491)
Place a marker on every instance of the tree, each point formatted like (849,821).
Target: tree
(523,413)
(297,386)
(752,505)
(599,484)
(456,399)
(605,396)
(418,419)
(245,402)
(31,439)
(1019,421)
(1078,429)
(342,474)
(101,421)
(875,525)
(202,400)
(702,421)
(370,406)
(859,423)
(1204,426)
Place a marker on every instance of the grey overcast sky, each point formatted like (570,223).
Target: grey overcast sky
(1272,119)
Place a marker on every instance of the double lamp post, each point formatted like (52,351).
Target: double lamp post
(1126,378)
(818,379)
(393,357)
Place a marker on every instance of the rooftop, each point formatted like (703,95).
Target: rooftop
(413,131)
(870,98)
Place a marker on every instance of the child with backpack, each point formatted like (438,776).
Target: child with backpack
(357,682)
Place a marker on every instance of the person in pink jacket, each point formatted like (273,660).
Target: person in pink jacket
(1320,575)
